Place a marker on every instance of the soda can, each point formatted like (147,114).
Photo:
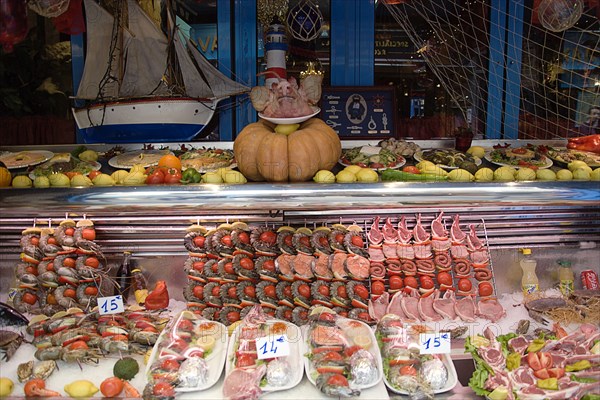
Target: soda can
(589,279)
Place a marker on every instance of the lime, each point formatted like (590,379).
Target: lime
(500,393)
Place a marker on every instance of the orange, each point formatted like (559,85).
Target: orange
(169,161)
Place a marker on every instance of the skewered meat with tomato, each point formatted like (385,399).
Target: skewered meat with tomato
(300,316)
(211,270)
(194,292)
(244,266)
(284,293)
(301,293)
(284,240)
(354,243)
(377,270)
(266,269)
(362,315)
(226,270)
(375,235)
(336,238)
(440,240)
(65,233)
(211,252)
(228,315)
(339,294)
(341,311)
(320,293)
(266,292)
(358,294)
(396,283)
(212,294)
(301,240)
(284,312)
(194,240)
(211,313)
(246,292)
(264,241)
(319,240)
(442,261)
(241,240)
(228,293)
(222,243)
(194,266)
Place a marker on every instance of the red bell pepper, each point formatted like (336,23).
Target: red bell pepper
(158,298)
(585,143)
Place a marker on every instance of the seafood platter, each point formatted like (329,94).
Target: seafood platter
(342,355)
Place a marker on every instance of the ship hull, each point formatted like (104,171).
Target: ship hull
(144,120)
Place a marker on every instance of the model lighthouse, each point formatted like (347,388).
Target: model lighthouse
(276,46)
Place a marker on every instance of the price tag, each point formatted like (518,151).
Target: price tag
(272,346)
(110,305)
(434,343)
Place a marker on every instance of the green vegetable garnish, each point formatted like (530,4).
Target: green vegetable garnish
(578,366)
(550,383)
(513,361)
(536,345)
(392,175)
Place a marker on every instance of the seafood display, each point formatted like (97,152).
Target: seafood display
(553,365)
(60,268)
(342,354)
(264,374)
(9,343)
(406,371)
(580,306)
(423,275)
(285,270)
(189,354)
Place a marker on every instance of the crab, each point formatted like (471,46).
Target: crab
(9,343)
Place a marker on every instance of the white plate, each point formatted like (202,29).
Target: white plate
(25,158)
(350,327)
(295,358)
(215,360)
(548,162)
(147,158)
(401,162)
(450,382)
(93,164)
(419,157)
(296,120)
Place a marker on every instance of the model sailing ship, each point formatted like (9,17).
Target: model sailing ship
(140,84)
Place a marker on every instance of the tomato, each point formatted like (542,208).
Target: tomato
(376,165)
(541,373)
(444,278)
(155,179)
(333,356)
(91,291)
(178,345)
(173,176)
(556,372)
(232,292)
(245,360)
(71,174)
(523,163)
(545,359)
(198,266)
(348,351)
(411,169)
(485,289)
(411,281)
(408,370)
(226,240)
(377,287)
(269,265)
(199,241)
(111,387)
(268,237)
(357,241)
(304,290)
(229,268)
(270,291)
(361,291)
(69,262)
(396,282)
(29,298)
(323,290)
(52,240)
(198,291)
(426,282)
(520,150)
(92,262)
(78,345)
(243,237)
(162,388)
(35,240)
(534,361)
(169,365)
(247,263)
(233,316)
(337,380)
(169,161)
(305,241)
(464,284)
(69,231)
(94,174)
(70,293)
(31,269)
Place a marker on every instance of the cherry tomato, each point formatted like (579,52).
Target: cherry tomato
(305,241)
(396,282)
(94,174)
(92,262)
(232,292)
(333,356)
(378,287)
(351,350)
(233,316)
(70,293)
(426,282)
(198,291)
(444,278)
(69,231)
(29,298)
(229,268)
(71,174)
(245,360)
(323,241)
(376,165)
(268,237)
(69,262)
(270,291)
(408,370)
(198,266)
(269,265)
(485,289)
(247,263)
(464,284)
(324,290)
(411,281)
(342,292)
(52,240)
(169,364)
(226,240)
(411,169)
(243,237)
(111,387)
(91,291)
(163,389)
(35,240)
(31,269)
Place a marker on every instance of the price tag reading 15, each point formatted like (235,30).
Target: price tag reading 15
(272,346)
(434,343)
(110,305)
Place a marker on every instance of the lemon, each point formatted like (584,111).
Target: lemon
(476,151)
(286,228)
(546,175)
(41,182)
(207,343)
(81,388)
(354,228)
(324,176)
(21,181)
(137,168)
(484,175)
(363,341)
(234,177)
(81,180)
(231,328)
(134,178)
(564,175)
(353,169)
(304,230)
(147,356)
(286,129)
(367,175)
(424,163)
(240,225)
(103,180)
(88,155)
(479,341)
(345,177)
(525,174)
(212,177)
(573,165)
(505,174)
(460,175)
(59,180)
(119,175)
(432,169)
(222,171)
(6,387)
(595,175)
(500,393)
(581,174)
(322,228)
(320,310)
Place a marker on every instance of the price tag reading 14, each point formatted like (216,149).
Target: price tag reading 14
(272,346)
(434,343)
(110,305)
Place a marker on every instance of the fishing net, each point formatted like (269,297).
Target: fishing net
(535,60)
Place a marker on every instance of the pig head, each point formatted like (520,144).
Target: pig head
(285,99)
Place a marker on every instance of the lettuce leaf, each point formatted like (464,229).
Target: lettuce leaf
(477,381)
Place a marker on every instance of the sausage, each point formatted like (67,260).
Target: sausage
(409,267)
(393,268)
(425,266)
(462,267)
(483,274)
(442,260)
(377,270)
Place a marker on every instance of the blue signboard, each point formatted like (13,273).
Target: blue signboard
(359,112)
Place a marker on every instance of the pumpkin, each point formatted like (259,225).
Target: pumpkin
(5,177)
(264,154)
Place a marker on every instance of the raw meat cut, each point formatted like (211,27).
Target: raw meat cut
(405,251)
(459,251)
(426,310)
(465,309)
(522,376)
(457,235)
(404,234)
(490,309)
(473,242)
(338,260)
(378,307)
(375,236)
(389,250)
(518,344)
(438,231)
(395,306)
(244,383)
(357,266)
(376,253)
(445,306)
(419,233)
(390,234)
(410,305)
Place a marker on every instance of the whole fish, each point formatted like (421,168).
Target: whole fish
(11,317)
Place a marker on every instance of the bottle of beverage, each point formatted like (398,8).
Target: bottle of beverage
(124,277)
(566,277)
(139,286)
(529,282)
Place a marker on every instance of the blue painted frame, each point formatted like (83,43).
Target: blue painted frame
(514,54)
(77,62)
(245,55)
(225,64)
(496,70)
